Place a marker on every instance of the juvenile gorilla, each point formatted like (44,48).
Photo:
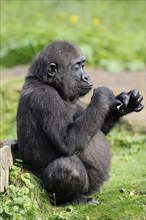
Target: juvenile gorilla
(60,141)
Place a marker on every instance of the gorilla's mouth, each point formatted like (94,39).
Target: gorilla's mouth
(87,87)
(81,92)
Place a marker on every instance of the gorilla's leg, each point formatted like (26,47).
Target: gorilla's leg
(66,178)
(96,159)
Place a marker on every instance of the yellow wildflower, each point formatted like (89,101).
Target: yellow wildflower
(96,21)
(74,18)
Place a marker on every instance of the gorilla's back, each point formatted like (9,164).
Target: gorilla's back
(34,145)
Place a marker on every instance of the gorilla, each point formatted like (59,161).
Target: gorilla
(60,141)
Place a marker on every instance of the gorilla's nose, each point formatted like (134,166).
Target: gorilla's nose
(85,78)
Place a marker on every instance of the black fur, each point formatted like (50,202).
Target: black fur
(60,141)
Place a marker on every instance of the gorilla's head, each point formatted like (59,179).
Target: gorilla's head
(61,65)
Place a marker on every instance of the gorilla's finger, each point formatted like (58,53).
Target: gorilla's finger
(134,94)
(138,108)
(118,104)
(126,99)
(139,100)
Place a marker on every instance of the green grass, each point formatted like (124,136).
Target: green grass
(110,33)
(122,198)
(9,96)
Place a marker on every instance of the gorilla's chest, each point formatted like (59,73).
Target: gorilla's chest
(71,109)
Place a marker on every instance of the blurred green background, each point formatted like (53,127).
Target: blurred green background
(110,33)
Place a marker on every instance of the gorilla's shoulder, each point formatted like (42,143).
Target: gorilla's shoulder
(46,95)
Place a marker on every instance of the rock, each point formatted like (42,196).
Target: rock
(6,160)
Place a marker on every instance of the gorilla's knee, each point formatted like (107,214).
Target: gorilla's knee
(66,177)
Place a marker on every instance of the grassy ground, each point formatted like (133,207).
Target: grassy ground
(110,33)
(9,95)
(121,198)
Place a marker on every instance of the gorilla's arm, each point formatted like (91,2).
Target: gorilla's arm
(130,102)
(79,110)
(69,135)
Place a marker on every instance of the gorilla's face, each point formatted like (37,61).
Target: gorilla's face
(70,80)
(64,70)
(80,82)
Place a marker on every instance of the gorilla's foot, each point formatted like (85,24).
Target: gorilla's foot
(77,201)
(92,201)
(85,200)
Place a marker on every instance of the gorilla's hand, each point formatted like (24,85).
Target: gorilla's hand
(130,102)
(105,98)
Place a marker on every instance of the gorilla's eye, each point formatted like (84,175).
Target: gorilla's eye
(52,69)
(83,64)
(77,66)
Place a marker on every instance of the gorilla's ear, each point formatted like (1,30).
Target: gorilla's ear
(52,70)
